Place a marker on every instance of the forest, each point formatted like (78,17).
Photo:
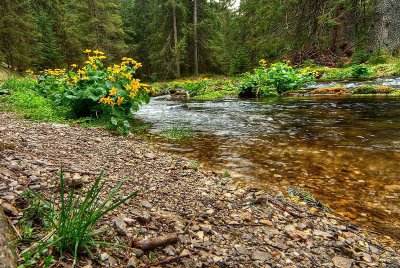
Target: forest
(185,37)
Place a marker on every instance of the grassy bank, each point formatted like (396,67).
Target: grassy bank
(220,87)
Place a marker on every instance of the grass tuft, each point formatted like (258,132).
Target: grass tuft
(70,226)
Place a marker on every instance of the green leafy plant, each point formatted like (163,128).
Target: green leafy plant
(306,197)
(360,71)
(226,174)
(72,225)
(275,79)
(370,90)
(97,90)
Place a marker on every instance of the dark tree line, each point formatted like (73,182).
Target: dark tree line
(176,37)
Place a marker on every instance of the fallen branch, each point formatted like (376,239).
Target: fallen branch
(152,243)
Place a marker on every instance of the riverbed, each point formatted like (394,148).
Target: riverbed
(344,150)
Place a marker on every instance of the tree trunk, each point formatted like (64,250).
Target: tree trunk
(386,34)
(196,61)
(177,56)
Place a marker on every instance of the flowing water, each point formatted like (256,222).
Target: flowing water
(345,150)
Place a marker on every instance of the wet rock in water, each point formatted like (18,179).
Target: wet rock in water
(120,227)
(133,262)
(9,210)
(341,262)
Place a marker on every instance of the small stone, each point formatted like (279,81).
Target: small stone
(185,252)
(266,222)
(169,250)
(367,257)
(129,221)
(260,255)
(103,256)
(205,228)
(246,216)
(120,227)
(146,204)
(35,187)
(341,262)
(138,252)
(241,250)
(13,184)
(322,234)
(133,262)
(9,210)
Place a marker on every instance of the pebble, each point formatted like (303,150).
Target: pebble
(146,204)
(120,227)
(260,255)
(133,262)
(341,262)
(9,210)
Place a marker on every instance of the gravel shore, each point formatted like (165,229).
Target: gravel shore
(219,223)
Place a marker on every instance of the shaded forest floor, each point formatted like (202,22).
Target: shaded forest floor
(220,224)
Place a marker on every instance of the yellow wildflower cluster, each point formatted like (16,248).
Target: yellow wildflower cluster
(55,72)
(263,62)
(107,100)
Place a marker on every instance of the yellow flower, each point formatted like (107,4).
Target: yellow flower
(128,87)
(82,72)
(113,91)
(263,62)
(94,66)
(75,79)
(74,65)
(85,78)
(109,69)
(120,100)
(102,57)
(132,94)
(112,78)
(87,51)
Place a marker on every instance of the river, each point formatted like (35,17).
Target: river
(344,150)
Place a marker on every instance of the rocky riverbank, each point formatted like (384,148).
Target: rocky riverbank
(218,223)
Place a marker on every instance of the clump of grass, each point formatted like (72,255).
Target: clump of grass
(306,197)
(226,174)
(178,131)
(194,165)
(70,227)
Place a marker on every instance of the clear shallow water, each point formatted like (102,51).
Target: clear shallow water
(346,151)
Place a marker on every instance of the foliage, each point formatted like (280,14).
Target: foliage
(380,56)
(306,197)
(200,88)
(71,226)
(368,90)
(360,71)
(98,90)
(276,78)
(178,131)
(28,103)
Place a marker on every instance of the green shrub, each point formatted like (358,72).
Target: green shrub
(72,225)
(360,56)
(277,78)
(360,71)
(380,57)
(96,90)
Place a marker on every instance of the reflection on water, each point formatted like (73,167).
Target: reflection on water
(346,151)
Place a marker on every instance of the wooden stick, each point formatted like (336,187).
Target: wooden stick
(155,242)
